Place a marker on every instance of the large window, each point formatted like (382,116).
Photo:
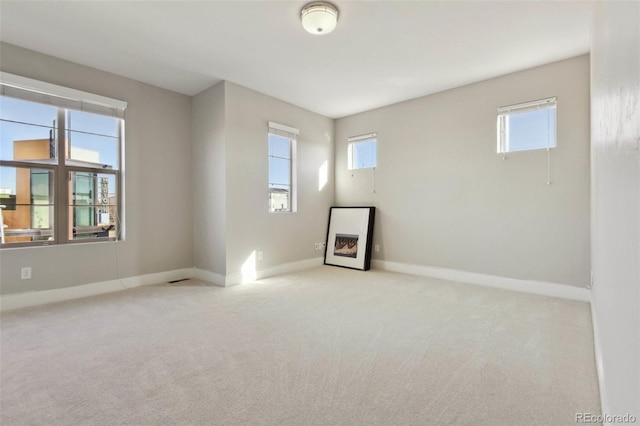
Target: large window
(60,164)
(362,151)
(527,126)
(282,166)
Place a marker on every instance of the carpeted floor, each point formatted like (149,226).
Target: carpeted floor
(327,346)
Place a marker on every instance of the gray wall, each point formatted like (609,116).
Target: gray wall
(283,237)
(446,199)
(615,185)
(232,222)
(209,180)
(157,163)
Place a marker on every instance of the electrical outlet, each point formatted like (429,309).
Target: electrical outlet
(260,255)
(376,248)
(25,273)
(317,246)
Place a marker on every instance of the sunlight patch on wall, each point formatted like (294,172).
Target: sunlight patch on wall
(248,269)
(323,175)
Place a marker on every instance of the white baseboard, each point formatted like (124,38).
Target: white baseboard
(211,277)
(290,267)
(33,298)
(604,403)
(249,276)
(239,277)
(21,300)
(536,287)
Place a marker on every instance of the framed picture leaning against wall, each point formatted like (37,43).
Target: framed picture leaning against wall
(350,237)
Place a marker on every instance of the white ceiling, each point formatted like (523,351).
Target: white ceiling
(381,52)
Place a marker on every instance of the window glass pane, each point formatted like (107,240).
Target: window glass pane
(92,140)
(93,205)
(12,109)
(279,146)
(92,123)
(279,171)
(531,130)
(279,198)
(280,179)
(364,154)
(28,198)
(27,130)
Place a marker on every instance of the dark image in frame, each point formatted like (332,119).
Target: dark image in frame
(346,245)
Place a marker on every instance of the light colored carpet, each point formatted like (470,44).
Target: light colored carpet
(327,346)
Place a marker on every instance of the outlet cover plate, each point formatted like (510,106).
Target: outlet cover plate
(25,273)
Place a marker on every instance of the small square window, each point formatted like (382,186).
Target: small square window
(527,126)
(362,152)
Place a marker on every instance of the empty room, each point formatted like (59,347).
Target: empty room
(319,213)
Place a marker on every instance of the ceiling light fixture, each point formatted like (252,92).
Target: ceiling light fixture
(319,17)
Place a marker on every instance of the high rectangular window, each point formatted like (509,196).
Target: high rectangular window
(282,165)
(362,151)
(60,164)
(527,126)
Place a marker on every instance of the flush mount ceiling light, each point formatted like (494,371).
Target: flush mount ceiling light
(319,17)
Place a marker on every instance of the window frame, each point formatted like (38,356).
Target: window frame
(291,134)
(65,99)
(524,107)
(360,139)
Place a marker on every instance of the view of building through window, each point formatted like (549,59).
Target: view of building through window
(280,161)
(31,171)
